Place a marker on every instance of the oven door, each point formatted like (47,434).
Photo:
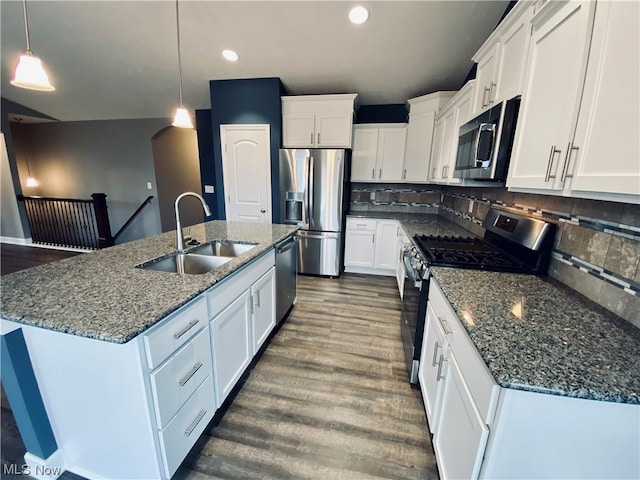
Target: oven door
(414,302)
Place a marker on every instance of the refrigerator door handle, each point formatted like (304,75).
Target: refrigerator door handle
(305,209)
(310,192)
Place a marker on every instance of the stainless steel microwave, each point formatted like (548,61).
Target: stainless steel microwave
(485,143)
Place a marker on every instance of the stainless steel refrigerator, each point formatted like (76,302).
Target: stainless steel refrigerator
(314,193)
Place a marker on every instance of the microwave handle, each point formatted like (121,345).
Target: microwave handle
(484,127)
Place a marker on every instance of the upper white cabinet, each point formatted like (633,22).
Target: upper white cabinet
(422,117)
(501,59)
(378,152)
(577,129)
(317,121)
(445,137)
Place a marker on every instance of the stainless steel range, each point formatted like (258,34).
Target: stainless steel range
(512,243)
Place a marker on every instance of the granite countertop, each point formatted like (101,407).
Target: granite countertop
(535,334)
(102,295)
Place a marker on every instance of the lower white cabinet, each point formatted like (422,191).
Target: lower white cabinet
(371,246)
(403,243)
(263,299)
(481,430)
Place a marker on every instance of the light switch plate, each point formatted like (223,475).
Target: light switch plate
(209,189)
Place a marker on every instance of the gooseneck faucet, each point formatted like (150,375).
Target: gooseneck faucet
(179,236)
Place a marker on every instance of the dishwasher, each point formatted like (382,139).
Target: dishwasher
(286,276)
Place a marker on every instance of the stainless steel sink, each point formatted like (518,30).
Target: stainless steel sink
(189,263)
(221,248)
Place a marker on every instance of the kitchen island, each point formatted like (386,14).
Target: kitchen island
(128,364)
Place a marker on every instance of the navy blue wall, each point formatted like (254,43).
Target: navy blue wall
(244,101)
(389,113)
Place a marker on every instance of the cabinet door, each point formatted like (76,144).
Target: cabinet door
(557,57)
(364,154)
(333,130)
(513,54)
(386,245)
(418,147)
(359,249)
(231,342)
(486,80)
(433,364)
(606,147)
(449,148)
(298,130)
(403,242)
(461,436)
(436,152)
(263,295)
(391,143)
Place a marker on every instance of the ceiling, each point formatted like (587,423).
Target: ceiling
(118,59)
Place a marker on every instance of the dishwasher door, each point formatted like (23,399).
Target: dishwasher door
(286,276)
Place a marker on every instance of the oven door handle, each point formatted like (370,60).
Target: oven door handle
(408,269)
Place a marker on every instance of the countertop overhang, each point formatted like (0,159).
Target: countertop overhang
(102,295)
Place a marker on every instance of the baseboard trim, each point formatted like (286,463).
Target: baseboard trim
(28,242)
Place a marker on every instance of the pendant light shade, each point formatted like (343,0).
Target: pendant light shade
(29,73)
(181,118)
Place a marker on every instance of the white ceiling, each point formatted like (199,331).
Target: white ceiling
(118,59)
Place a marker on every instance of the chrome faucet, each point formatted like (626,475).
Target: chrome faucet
(179,236)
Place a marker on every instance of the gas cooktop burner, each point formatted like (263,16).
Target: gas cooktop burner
(467,252)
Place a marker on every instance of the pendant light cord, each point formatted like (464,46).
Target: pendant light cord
(26,24)
(179,55)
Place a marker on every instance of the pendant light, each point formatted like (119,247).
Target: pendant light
(182,118)
(29,73)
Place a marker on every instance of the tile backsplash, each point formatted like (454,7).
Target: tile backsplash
(596,247)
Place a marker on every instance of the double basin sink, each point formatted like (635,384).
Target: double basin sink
(202,259)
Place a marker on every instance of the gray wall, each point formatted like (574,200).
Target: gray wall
(10,223)
(177,168)
(76,159)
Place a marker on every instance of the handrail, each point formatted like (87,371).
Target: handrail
(133,216)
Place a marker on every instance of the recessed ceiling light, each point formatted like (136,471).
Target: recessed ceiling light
(358,15)
(230,55)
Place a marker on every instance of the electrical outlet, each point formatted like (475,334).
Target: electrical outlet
(149,186)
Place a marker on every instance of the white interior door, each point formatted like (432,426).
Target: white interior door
(246,170)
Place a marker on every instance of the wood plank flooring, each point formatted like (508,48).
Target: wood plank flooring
(328,399)
(18,257)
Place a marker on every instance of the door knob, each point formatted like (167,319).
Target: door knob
(262,210)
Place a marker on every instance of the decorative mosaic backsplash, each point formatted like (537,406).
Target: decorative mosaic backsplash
(596,248)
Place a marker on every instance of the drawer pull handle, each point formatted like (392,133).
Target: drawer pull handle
(442,360)
(435,354)
(191,324)
(257,298)
(195,422)
(445,326)
(190,374)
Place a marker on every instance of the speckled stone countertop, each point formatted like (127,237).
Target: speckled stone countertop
(536,334)
(102,295)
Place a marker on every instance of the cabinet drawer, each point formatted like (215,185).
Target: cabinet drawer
(185,428)
(361,224)
(175,331)
(481,385)
(175,381)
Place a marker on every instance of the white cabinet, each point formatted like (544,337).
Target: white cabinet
(420,130)
(433,365)
(371,246)
(483,431)
(242,311)
(557,56)
(386,251)
(317,121)
(604,161)
(378,152)
(445,139)
(501,59)
(263,296)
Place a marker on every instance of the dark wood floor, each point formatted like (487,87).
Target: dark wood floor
(329,398)
(18,257)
